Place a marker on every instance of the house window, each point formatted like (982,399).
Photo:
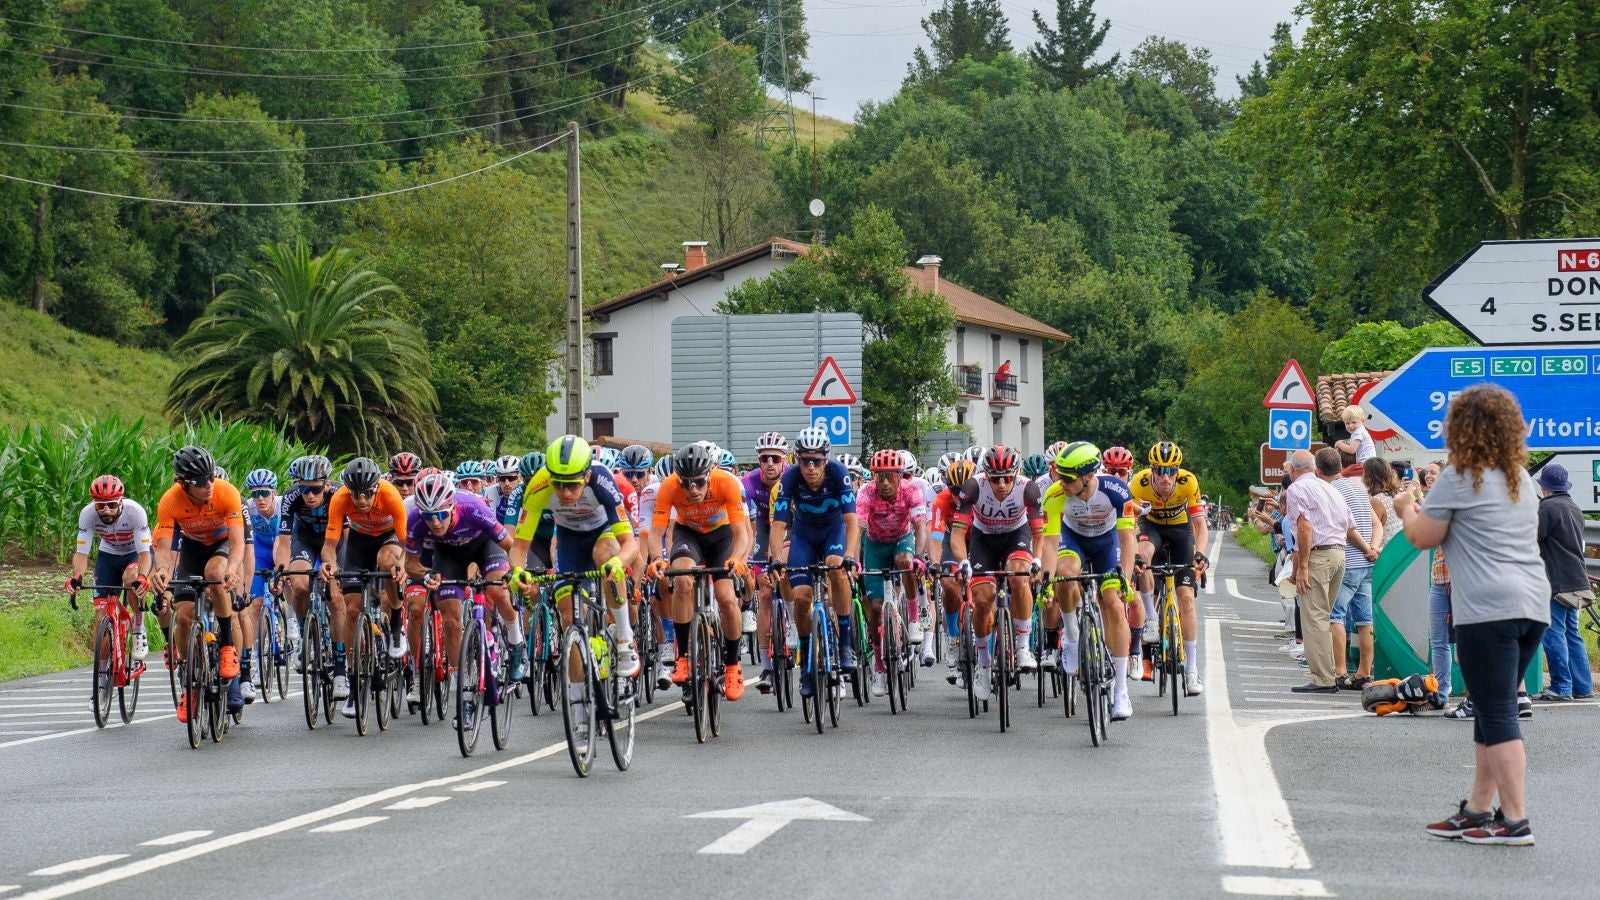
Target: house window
(995,339)
(961,415)
(1022,362)
(961,344)
(998,435)
(603,354)
(1022,443)
(602,425)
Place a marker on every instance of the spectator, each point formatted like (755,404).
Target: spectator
(1321,524)
(1561,547)
(1359,443)
(1352,611)
(1004,372)
(1484,510)
(1382,484)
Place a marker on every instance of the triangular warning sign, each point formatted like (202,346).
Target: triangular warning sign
(1291,391)
(829,387)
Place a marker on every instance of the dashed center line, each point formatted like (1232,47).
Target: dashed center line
(181,837)
(348,824)
(1270,886)
(417,803)
(78,865)
(474,786)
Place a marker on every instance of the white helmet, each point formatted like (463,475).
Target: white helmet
(945,460)
(772,440)
(973,454)
(812,440)
(508,465)
(911,468)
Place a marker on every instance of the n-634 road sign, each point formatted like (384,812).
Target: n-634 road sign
(1289,429)
(1523,292)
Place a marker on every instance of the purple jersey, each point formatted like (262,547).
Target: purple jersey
(474,520)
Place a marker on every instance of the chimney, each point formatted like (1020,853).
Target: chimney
(694,255)
(930,272)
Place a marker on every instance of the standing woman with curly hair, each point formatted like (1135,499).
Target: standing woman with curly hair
(1484,510)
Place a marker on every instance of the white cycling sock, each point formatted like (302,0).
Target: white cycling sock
(514,631)
(1191,656)
(1069,628)
(1069,656)
(623,625)
(1149,599)
(985,658)
(1119,665)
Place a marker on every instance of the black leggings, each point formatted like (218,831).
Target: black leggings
(1493,657)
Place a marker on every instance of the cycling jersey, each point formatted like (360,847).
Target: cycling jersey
(1171,510)
(128,533)
(1110,507)
(887,521)
(264,528)
(598,508)
(507,505)
(758,503)
(200,523)
(928,493)
(630,498)
(944,513)
(979,507)
(472,521)
(295,517)
(824,506)
(387,513)
(722,504)
(510,509)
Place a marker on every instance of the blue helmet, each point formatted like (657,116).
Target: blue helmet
(664,467)
(608,458)
(725,459)
(470,468)
(261,478)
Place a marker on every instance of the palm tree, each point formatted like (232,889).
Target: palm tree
(302,343)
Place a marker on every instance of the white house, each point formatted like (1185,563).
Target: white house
(627,391)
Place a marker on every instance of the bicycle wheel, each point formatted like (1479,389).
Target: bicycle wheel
(835,688)
(427,673)
(195,678)
(816,669)
(620,729)
(1173,638)
(499,699)
(1088,678)
(469,695)
(891,654)
(778,658)
(968,661)
(128,693)
(359,663)
(383,686)
(104,682)
(649,649)
(862,642)
(534,648)
(174,677)
(1005,646)
(311,670)
(261,672)
(577,699)
(906,664)
(280,655)
(711,688)
(216,692)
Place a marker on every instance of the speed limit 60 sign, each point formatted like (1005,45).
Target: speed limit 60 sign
(1289,429)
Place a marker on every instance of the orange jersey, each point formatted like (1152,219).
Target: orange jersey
(722,504)
(388,513)
(205,523)
(944,512)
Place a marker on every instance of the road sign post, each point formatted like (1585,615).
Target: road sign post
(1289,429)
(1523,292)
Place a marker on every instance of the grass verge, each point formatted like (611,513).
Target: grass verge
(1256,542)
(39,632)
(53,374)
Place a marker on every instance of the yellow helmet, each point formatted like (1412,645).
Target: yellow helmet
(1166,453)
(568,456)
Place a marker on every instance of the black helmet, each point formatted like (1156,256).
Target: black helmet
(693,461)
(361,475)
(194,464)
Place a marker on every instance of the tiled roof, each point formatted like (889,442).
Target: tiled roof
(1334,392)
(715,267)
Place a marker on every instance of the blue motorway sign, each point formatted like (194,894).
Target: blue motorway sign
(836,419)
(1289,429)
(1558,388)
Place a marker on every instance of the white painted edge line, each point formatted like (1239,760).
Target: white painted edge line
(1255,827)
(476,786)
(182,837)
(1233,588)
(78,865)
(193,851)
(349,824)
(416,803)
(7,888)
(61,734)
(1216,557)
(1271,886)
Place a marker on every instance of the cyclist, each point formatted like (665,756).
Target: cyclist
(633,472)
(1117,462)
(507,474)
(650,539)
(896,517)
(999,524)
(1036,468)
(449,530)
(956,475)
(1092,519)
(592,532)
(814,521)
(209,515)
(700,511)
(760,483)
(404,469)
(470,476)
(124,558)
(261,520)
(377,516)
(302,522)
(1172,527)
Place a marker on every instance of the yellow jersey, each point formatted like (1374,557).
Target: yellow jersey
(1170,510)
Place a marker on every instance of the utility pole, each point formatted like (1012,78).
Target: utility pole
(777,119)
(817,206)
(574,404)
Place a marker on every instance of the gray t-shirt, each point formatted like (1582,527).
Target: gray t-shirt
(1493,546)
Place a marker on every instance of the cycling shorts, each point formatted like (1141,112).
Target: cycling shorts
(575,549)
(306,547)
(1171,544)
(192,559)
(809,545)
(110,567)
(451,562)
(990,552)
(1096,554)
(704,548)
(876,555)
(539,553)
(360,551)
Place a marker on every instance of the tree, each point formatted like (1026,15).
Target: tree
(1187,70)
(956,30)
(1064,52)
(903,372)
(1381,346)
(751,24)
(302,342)
(1259,80)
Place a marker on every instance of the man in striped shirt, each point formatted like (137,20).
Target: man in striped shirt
(1353,608)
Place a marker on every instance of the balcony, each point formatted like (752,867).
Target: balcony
(968,380)
(1005,390)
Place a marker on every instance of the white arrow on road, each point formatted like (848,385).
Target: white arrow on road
(767,819)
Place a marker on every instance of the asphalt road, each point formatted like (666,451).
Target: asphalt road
(1250,790)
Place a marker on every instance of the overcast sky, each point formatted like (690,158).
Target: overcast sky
(859,48)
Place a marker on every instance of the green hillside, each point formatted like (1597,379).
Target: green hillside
(49,373)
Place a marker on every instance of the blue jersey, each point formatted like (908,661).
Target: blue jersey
(264,529)
(824,506)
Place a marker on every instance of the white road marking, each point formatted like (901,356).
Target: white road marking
(182,837)
(766,819)
(1268,886)
(61,734)
(7,888)
(34,731)
(1216,556)
(6,705)
(348,824)
(417,803)
(1233,588)
(78,865)
(76,714)
(1253,819)
(193,851)
(476,786)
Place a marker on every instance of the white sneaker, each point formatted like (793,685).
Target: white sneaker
(1191,683)
(293,629)
(341,687)
(914,631)
(397,648)
(1149,635)
(297,659)
(664,675)
(414,694)
(953,676)
(247,690)
(749,620)
(880,684)
(349,710)
(1051,659)
(790,635)
(980,683)
(927,650)
(1290,647)
(627,659)
(141,645)
(1298,653)
(1025,660)
(1121,708)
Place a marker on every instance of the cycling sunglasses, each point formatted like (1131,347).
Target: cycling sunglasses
(312,488)
(402,482)
(1002,479)
(697,483)
(437,515)
(508,479)
(1164,470)
(634,474)
(261,494)
(198,482)
(771,458)
(107,505)
(569,482)
(813,460)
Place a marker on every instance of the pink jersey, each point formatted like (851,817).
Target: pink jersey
(888,521)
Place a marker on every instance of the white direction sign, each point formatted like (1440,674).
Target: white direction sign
(767,819)
(1583,470)
(1523,292)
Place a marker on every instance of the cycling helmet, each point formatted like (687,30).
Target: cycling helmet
(637,457)
(945,460)
(294,467)
(912,470)
(530,464)
(1117,458)
(507,466)
(429,471)
(106,488)
(664,467)
(1054,450)
(315,468)
(1166,453)
(1079,458)
(361,476)
(194,464)
(849,461)
(404,463)
(812,440)
(935,480)
(219,473)
(887,461)
(973,454)
(435,492)
(568,456)
(488,467)
(470,468)
(1035,465)
(608,458)
(725,459)
(1001,460)
(693,461)
(959,473)
(261,478)
(772,440)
